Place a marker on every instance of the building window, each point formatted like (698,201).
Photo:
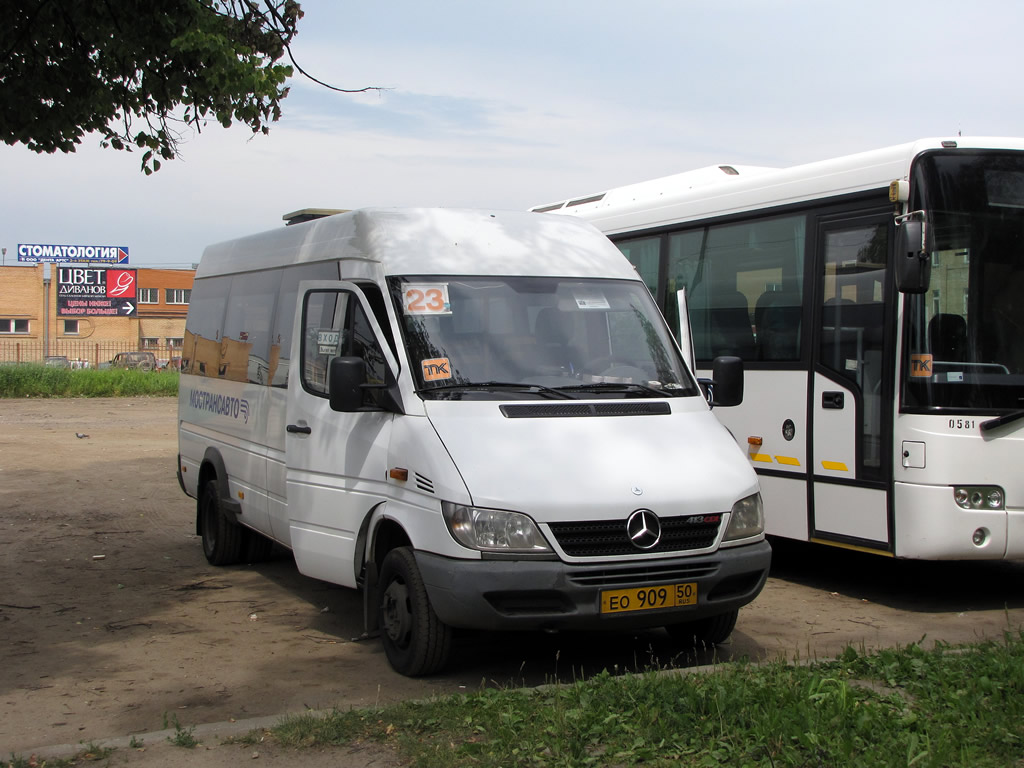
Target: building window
(149,342)
(70,327)
(13,326)
(175,342)
(178,295)
(149,295)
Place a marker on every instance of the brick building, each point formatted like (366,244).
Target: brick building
(33,327)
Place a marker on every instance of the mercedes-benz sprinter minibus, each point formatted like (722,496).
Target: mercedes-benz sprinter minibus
(480,419)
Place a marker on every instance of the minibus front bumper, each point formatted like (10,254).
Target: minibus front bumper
(549,594)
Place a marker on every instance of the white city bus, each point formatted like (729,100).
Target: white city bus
(876,300)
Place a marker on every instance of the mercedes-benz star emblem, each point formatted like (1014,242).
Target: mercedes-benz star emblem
(644,529)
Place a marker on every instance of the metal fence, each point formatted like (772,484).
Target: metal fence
(77,353)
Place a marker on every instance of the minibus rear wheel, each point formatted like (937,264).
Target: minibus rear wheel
(222,541)
(416,642)
(708,631)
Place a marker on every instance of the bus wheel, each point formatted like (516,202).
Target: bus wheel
(416,642)
(708,631)
(222,540)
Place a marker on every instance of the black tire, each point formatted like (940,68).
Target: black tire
(705,632)
(256,546)
(222,540)
(416,642)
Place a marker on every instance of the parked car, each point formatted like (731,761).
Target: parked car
(144,361)
(57,361)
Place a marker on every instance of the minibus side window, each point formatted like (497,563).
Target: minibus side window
(200,353)
(335,325)
(245,345)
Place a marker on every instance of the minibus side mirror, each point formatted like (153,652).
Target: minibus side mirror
(346,378)
(913,259)
(725,387)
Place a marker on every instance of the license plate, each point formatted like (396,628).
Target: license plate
(648,598)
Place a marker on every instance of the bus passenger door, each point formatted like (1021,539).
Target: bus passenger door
(336,463)
(850,448)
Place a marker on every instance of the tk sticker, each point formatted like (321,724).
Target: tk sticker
(436,369)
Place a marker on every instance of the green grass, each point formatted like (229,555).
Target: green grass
(89,753)
(902,707)
(182,737)
(29,380)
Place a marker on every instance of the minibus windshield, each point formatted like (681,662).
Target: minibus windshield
(537,337)
(963,342)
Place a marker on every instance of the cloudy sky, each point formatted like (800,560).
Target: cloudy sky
(513,104)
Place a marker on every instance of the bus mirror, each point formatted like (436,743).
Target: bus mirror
(913,260)
(347,386)
(345,378)
(726,381)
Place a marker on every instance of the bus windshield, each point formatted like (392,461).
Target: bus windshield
(536,337)
(964,338)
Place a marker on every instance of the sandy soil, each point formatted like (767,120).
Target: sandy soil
(113,624)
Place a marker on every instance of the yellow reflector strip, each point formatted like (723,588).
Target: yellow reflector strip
(788,460)
(836,466)
(761,457)
(854,547)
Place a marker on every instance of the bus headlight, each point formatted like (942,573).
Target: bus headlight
(747,518)
(493,530)
(979,497)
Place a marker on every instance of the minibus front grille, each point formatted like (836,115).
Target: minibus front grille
(605,538)
(563,410)
(608,577)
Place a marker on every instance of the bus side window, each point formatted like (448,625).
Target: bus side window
(729,325)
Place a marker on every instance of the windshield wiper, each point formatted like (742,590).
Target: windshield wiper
(498,386)
(608,386)
(1001,420)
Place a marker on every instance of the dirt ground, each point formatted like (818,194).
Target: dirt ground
(112,624)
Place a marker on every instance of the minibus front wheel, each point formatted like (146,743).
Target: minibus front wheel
(416,642)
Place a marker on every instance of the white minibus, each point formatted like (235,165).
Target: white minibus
(479,419)
(876,301)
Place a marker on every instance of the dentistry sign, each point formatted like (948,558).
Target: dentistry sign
(95,291)
(35,253)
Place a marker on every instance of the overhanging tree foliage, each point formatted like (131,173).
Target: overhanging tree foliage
(137,71)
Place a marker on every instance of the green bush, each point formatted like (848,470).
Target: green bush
(31,380)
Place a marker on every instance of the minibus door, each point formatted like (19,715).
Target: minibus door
(336,463)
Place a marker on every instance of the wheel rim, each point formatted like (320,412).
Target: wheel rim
(397,617)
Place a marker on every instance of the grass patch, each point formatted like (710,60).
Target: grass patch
(182,736)
(29,380)
(90,753)
(902,707)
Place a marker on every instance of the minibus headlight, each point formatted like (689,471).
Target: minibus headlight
(747,518)
(493,530)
